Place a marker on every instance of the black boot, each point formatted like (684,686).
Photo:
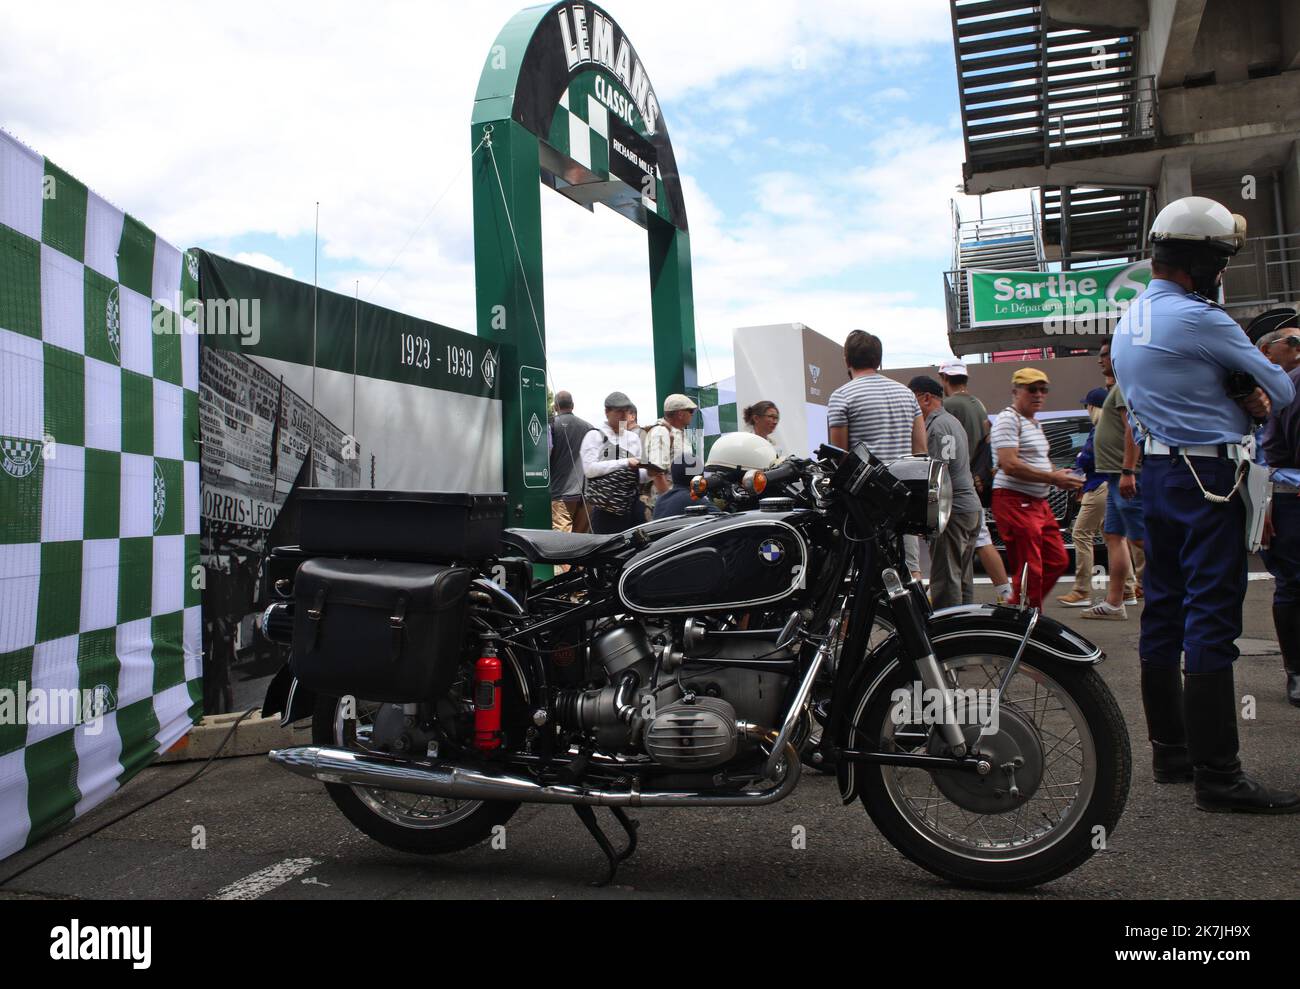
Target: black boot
(1221,786)
(1162,698)
(1287,621)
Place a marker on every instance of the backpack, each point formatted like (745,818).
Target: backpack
(617,492)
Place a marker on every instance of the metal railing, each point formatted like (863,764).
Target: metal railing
(1083,116)
(1266,271)
(1023,230)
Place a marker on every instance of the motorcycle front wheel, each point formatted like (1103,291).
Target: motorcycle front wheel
(405,822)
(1061,766)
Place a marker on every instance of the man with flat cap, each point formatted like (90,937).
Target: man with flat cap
(611,462)
(670,457)
(1277,335)
(953,550)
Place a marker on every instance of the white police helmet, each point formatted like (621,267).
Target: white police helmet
(1199,221)
(742,451)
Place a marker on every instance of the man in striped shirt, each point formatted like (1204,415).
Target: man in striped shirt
(879,412)
(873,409)
(1025,477)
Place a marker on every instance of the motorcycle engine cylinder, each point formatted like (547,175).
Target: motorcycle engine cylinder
(694,735)
(624,648)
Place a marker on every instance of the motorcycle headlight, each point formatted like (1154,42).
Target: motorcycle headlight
(929,501)
(940,495)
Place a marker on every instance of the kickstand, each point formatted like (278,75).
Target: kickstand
(588,817)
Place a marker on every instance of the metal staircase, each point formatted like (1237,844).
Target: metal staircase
(1007,243)
(1109,224)
(1031,91)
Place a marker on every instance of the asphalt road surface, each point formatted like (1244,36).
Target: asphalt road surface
(271,835)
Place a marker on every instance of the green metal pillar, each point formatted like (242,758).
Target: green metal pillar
(673,311)
(511,307)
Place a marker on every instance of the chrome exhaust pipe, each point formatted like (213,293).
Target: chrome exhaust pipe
(343,766)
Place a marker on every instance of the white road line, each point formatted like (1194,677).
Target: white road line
(262,882)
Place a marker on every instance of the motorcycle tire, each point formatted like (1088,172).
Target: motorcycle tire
(1104,771)
(379,814)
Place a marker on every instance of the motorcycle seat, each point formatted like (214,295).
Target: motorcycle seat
(542,546)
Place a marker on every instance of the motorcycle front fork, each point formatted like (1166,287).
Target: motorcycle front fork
(910,624)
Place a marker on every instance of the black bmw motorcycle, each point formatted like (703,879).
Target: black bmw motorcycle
(676,666)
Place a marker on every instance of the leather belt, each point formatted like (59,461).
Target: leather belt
(1229,451)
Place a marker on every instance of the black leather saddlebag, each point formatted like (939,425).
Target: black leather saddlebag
(379,631)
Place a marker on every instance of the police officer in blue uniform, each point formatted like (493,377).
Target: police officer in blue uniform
(1180,359)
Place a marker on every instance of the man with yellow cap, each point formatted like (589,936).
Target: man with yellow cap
(1024,479)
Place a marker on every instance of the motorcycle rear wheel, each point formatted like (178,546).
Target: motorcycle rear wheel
(405,822)
(1082,785)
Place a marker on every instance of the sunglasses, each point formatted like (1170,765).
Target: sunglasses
(1037,389)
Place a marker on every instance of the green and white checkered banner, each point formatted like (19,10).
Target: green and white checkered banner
(608,146)
(100,651)
(719,413)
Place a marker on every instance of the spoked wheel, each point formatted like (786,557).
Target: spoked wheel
(808,754)
(1060,766)
(407,822)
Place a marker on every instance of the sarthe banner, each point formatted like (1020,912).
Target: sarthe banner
(1009,298)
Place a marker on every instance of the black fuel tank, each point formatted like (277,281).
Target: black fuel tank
(721,564)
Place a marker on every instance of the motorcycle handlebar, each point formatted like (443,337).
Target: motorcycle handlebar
(791,470)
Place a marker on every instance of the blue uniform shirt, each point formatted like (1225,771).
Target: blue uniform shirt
(1173,352)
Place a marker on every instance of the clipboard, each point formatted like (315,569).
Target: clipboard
(1257,493)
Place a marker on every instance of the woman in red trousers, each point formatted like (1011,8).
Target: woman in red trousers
(1024,479)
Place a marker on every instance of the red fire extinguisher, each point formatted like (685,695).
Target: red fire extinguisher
(487,701)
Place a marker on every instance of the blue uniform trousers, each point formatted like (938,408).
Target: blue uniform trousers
(1283,557)
(1196,575)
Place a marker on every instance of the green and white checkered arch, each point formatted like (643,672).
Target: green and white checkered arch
(580,130)
(99,498)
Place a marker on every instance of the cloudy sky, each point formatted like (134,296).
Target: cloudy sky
(819,142)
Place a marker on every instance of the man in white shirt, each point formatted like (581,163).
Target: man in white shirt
(667,444)
(611,462)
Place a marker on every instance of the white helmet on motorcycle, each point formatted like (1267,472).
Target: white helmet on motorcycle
(742,451)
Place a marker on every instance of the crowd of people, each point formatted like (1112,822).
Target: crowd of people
(613,477)
(1192,463)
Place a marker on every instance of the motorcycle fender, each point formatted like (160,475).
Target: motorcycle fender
(287,697)
(1051,639)
(1051,642)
